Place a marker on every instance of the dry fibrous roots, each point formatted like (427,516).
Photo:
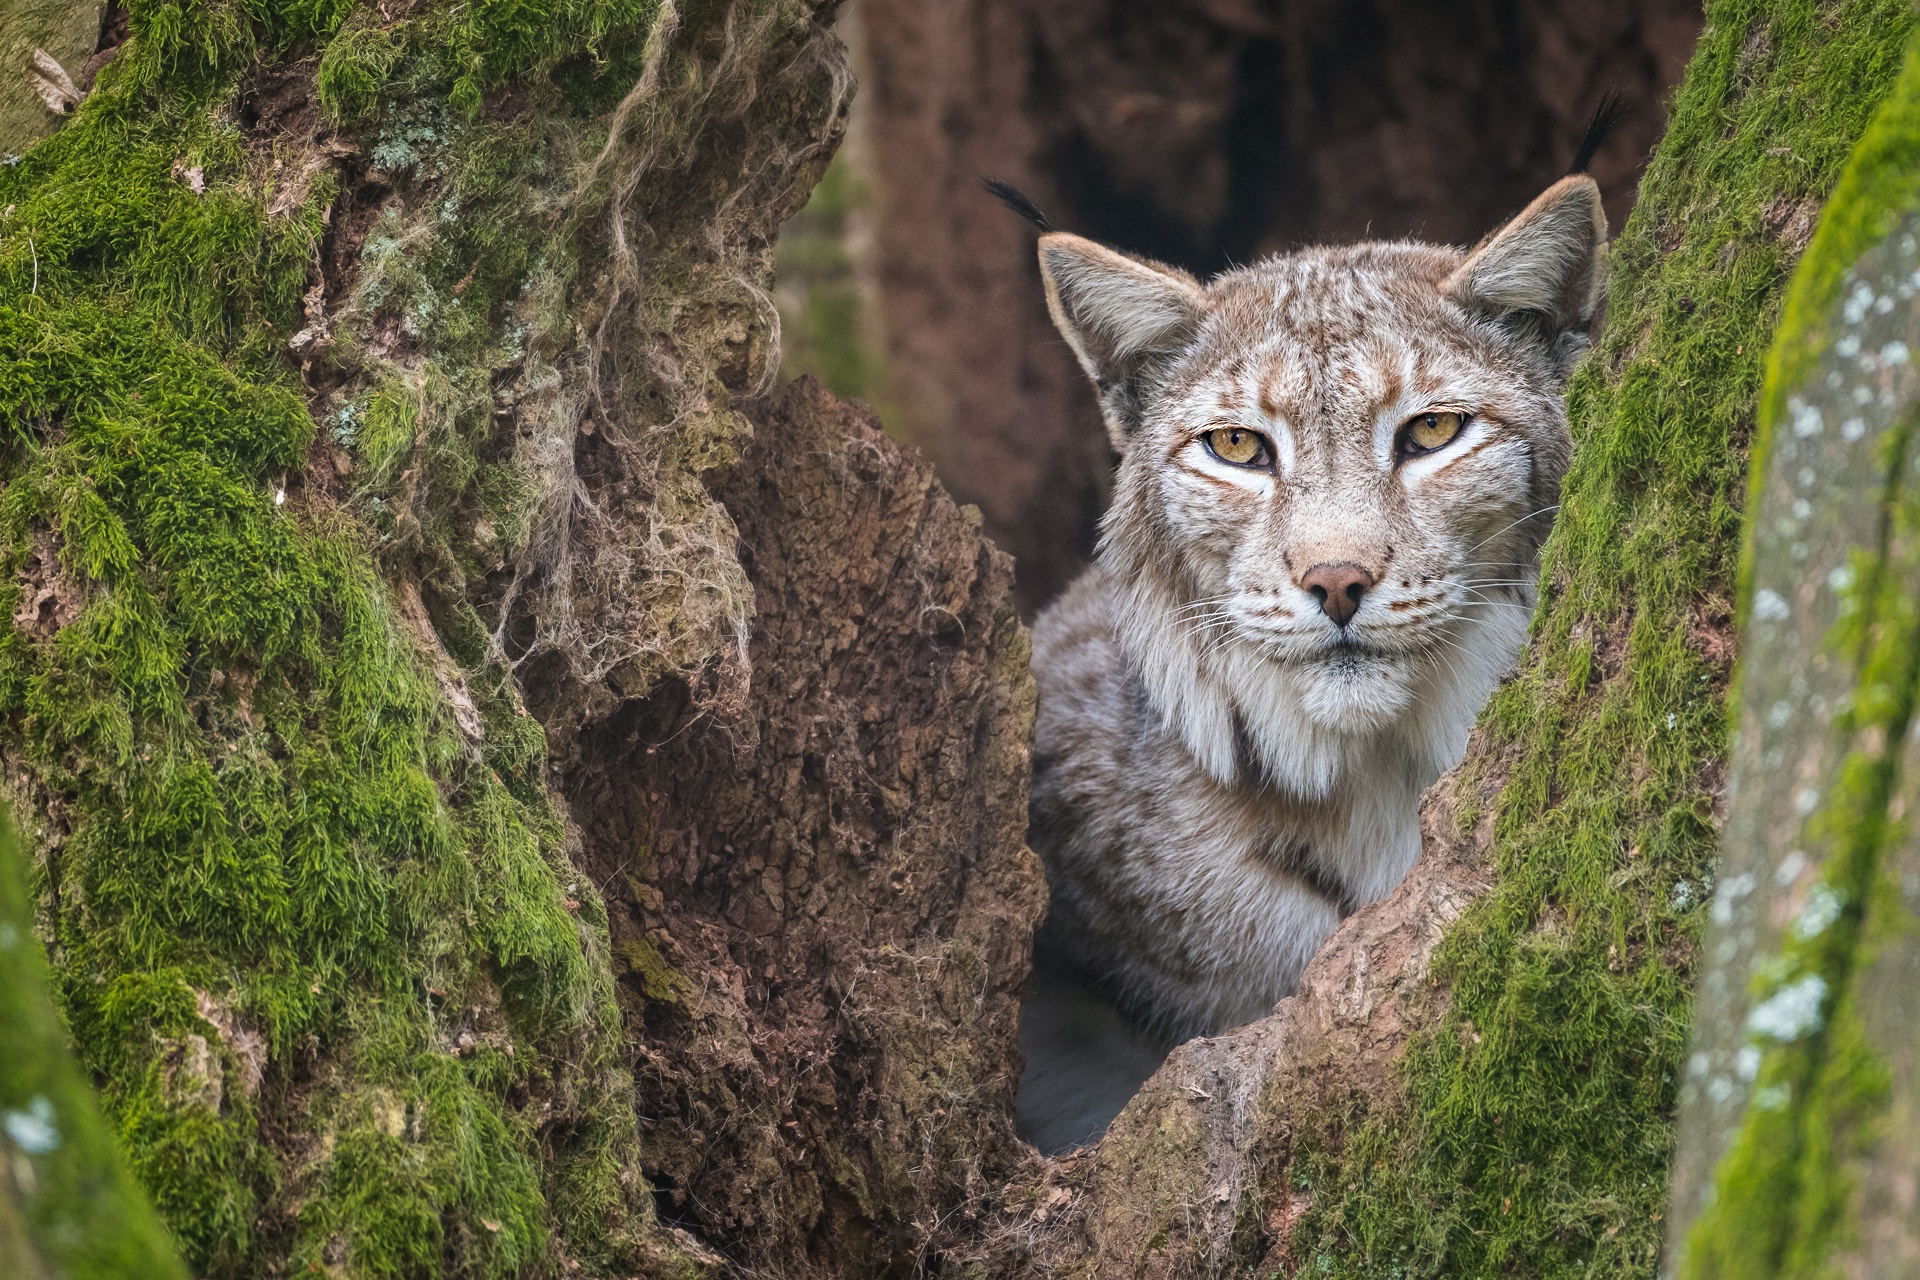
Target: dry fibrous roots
(660,589)
(647,313)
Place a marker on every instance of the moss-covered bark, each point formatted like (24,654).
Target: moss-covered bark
(1800,1151)
(1537,1127)
(302,314)
(69,1209)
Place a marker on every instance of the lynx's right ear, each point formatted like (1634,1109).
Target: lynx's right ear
(1124,319)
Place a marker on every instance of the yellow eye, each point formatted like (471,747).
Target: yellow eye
(1241,447)
(1429,431)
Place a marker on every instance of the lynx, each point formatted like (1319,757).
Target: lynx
(1337,468)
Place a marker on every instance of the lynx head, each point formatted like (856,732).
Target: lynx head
(1337,469)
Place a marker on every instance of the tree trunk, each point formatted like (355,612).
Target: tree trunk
(68,1207)
(510,800)
(366,372)
(1798,1152)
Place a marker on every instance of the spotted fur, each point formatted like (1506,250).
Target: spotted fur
(1222,771)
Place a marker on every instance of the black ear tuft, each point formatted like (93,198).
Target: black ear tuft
(1605,116)
(1017,201)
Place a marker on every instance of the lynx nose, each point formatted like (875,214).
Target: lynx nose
(1338,586)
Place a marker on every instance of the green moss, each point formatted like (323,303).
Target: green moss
(641,962)
(1536,1134)
(346,1000)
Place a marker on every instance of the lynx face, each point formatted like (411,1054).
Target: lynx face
(1337,470)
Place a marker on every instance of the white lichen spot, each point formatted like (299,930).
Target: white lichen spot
(1774,1097)
(1682,895)
(1841,578)
(1747,1062)
(1893,354)
(1769,605)
(1720,1089)
(1736,888)
(1863,395)
(1779,713)
(1807,476)
(33,1129)
(1848,347)
(1790,868)
(1802,508)
(1806,418)
(1822,909)
(1855,308)
(1882,305)
(1790,1012)
(1852,429)
(1806,800)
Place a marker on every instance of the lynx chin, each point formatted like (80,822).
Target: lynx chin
(1337,468)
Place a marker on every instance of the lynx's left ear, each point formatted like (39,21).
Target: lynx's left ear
(1124,317)
(1542,270)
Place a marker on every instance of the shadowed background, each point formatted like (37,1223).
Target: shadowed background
(1201,132)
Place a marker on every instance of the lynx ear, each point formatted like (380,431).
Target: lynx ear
(1544,266)
(1124,319)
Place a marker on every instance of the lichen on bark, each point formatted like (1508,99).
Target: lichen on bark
(1798,1139)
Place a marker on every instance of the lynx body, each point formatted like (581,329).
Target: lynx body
(1337,468)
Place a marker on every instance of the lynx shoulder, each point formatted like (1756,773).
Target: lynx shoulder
(1337,468)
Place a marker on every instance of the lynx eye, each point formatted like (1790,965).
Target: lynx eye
(1429,431)
(1239,446)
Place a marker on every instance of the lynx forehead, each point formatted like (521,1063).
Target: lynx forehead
(1336,472)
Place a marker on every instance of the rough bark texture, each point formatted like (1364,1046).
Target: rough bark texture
(1202,132)
(823,906)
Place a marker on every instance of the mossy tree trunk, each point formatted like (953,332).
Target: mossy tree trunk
(69,1209)
(410,758)
(415,754)
(1800,1154)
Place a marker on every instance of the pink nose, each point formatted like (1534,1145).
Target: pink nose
(1338,586)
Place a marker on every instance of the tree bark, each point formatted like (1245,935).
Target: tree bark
(68,1206)
(509,799)
(1798,1153)
(823,904)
